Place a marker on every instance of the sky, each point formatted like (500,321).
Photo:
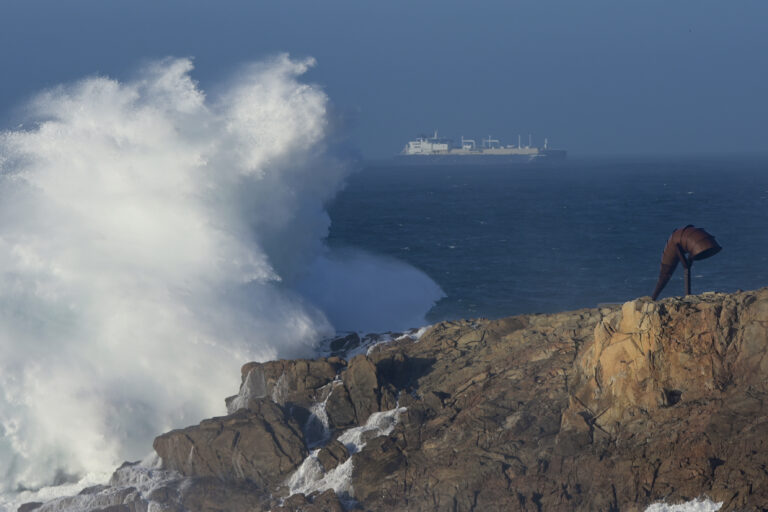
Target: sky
(596,77)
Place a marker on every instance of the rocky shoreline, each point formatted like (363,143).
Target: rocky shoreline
(611,408)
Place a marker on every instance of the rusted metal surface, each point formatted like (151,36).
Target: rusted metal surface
(684,246)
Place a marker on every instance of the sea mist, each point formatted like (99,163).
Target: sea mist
(152,240)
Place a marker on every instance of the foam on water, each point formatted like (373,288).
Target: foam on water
(152,240)
(311,477)
(136,482)
(697,505)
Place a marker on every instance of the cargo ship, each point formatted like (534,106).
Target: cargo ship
(437,151)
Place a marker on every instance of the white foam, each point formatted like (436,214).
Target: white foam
(310,476)
(369,341)
(317,428)
(254,386)
(412,334)
(419,333)
(380,423)
(697,505)
(153,239)
(134,480)
(11,502)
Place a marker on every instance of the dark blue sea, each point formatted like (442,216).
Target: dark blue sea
(552,237)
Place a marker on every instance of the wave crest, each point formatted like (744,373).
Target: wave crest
(152,240)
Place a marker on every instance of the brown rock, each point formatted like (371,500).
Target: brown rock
(326,502)
(322,502)
(213,495)
(597,409)
(362,384)
(332,454)
(293,382)
(341,412)
(260,445)
(379,461)
(590,410)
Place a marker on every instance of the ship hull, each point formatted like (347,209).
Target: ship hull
(481,159)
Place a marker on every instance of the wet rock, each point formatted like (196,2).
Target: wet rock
(286,382)
(213,495)
(326,501)
(363,387)
(341,412)
(344,344)
(332,454)
(597,409)
(380,460)
(607,409)
(260,445)
(29,507)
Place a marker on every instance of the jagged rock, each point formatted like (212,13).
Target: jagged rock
(29,507)
(344,344)
(321,502)
(326,502)
(299,384)
(332,454)
(378,462)
(363,387)
(597,409)
(211,495)
(477,390)
(341,412)
(98,499)
(259,445)
(293,382)
(607,409)
(654,355)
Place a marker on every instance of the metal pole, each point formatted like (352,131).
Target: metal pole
(687,266)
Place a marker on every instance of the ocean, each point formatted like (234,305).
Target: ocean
(543,238)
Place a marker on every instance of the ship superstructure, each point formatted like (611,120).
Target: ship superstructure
(437,150)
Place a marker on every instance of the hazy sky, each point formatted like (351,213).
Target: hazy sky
(596,77)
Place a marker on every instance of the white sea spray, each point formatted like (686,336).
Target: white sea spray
(311,477)
(152,240)
(137,480)
(697,505)
(317,428)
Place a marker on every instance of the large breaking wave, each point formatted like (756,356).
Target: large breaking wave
(153,239)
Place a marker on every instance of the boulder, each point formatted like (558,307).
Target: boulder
(260,445)
(286,382)
(332,454)
(339,408)
(363,387)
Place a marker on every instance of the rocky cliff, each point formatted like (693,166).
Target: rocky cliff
(597,409)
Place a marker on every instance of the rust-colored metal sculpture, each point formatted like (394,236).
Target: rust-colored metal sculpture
(696,243)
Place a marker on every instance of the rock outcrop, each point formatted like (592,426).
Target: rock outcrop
(259,445)
(611,408)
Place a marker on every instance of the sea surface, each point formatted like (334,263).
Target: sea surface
(551,237)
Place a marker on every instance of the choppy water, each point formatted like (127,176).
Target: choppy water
(502,241)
